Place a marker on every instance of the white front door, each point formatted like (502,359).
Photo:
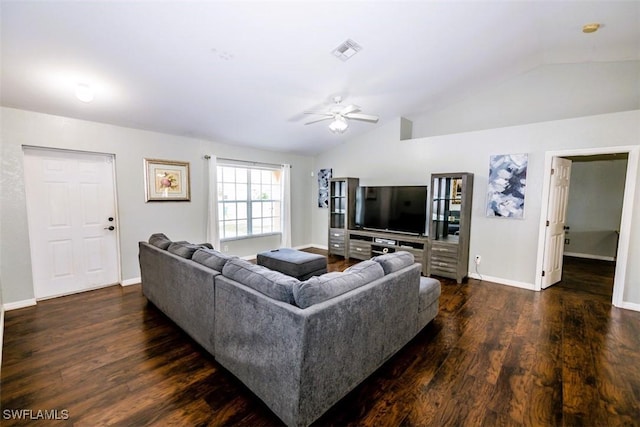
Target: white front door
(556,220)
(72,221)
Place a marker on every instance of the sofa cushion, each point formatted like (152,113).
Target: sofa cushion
(211,258)
(268,282)
(322,288)
(183,249)
(159,240)
(395,261)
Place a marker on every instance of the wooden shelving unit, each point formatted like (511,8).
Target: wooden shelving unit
(450,224)
(342,203)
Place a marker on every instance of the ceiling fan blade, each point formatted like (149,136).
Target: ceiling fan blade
(349,109)
(321,113)
(364,117)
(319,120)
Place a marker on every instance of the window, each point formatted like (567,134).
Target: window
(249,201)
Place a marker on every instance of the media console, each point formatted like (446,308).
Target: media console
(445,252)
(364,244)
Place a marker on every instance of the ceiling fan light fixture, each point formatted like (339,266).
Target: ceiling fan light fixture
(338,125)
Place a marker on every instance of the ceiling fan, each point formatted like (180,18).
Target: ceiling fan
(340,115)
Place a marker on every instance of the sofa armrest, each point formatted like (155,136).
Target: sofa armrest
(182,289)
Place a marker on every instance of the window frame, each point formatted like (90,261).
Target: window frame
(249,201)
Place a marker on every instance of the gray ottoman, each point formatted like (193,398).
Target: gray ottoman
(294,263)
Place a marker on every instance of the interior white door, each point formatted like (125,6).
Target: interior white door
(556,221)
(72,221)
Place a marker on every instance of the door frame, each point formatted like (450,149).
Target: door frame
(625,221)
(112,156)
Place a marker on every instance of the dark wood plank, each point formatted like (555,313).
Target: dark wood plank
(494,355)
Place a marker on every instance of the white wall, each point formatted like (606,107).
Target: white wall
(137,219)
(594,208)
(547,92)
(1,323)
(508,247)
(1,304)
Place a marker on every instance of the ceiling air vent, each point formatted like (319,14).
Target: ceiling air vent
(346,50)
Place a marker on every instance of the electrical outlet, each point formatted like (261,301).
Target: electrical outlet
(225,248)
(478,259)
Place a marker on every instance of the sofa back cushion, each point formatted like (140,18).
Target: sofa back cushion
(211,258)
(268,282)
(159,240)
(322,288)
(183,249)
(395,261)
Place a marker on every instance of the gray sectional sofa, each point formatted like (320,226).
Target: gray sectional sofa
(300,346)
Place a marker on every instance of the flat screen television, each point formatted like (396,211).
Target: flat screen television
(401,209)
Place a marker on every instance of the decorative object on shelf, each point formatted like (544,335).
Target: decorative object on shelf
(166,180)
(456,198)
(324,176)
(507,182)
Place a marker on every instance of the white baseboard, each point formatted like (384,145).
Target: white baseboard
(501,281)
(64,294)
(630,306)
(19,304)
(129,282)
(312,245)
(589,256)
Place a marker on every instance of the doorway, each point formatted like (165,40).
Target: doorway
(625,221)
(71,214)
(594,211)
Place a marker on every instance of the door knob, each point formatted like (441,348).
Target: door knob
(110,228)
(110,218)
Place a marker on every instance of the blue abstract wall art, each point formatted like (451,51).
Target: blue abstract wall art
(507,182)
(324,176)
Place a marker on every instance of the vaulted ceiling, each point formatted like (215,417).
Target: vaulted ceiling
(245,72)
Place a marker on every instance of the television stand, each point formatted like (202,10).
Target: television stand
(381,250)
(364,244)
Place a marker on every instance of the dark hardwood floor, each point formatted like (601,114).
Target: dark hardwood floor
(494,355)
(590,276)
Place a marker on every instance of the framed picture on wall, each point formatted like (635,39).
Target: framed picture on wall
(166,181)
(324,176)
(507,183)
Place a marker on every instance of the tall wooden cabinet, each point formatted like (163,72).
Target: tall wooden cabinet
(342,206)
(450,222)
